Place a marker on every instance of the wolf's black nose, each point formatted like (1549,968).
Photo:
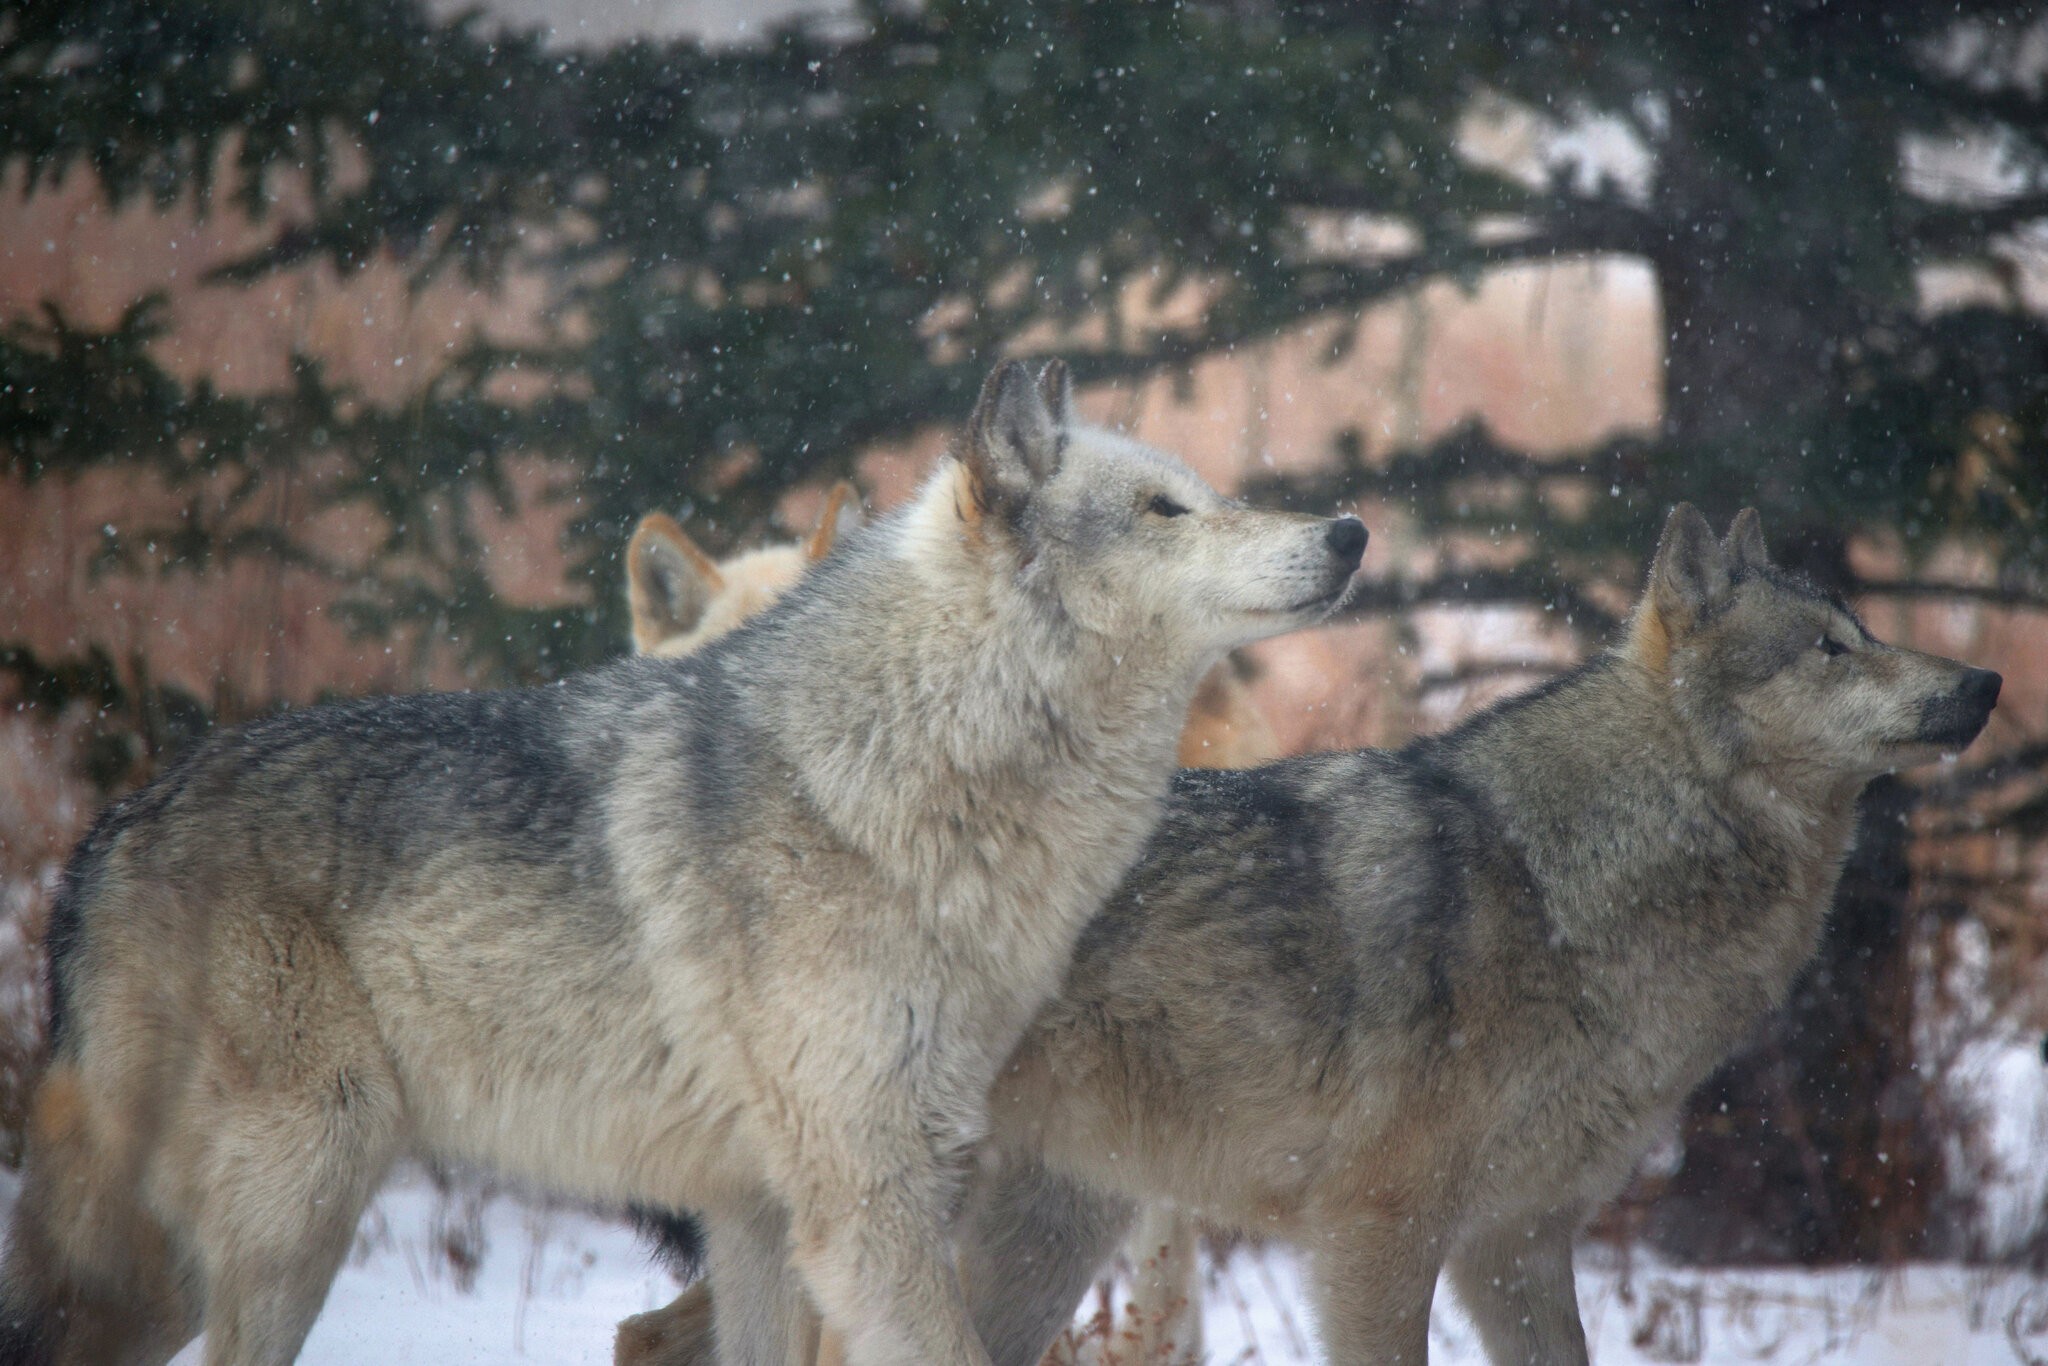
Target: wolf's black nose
(1980,688)
(1953,719)
(1347,540)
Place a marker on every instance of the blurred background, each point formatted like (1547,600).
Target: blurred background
(343,343)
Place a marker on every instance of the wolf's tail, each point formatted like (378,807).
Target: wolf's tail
(88,1275)
(30,1314)
(26,1338)
(33,1301)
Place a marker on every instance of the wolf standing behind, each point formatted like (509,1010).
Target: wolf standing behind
(680,599)
(747,933)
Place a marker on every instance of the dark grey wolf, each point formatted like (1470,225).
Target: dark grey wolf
(1423,1009)
(748,932)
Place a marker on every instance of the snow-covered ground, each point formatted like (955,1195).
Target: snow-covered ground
(549,1286)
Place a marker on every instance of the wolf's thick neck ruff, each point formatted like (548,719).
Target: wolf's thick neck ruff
(996,765)
(1703,874)
(978,698)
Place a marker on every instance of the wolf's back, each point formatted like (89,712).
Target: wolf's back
(326,809)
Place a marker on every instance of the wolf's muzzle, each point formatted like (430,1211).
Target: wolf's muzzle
(1954,719)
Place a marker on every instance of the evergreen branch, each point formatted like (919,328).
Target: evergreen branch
(1960,785)
(1990,595)
(1521,586)
(1971,230)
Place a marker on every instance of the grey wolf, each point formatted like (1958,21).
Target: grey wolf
(679,600)
(746,933)
(1423,1009)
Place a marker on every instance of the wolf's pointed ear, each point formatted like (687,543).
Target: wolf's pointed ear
(1690,572)
(840,515)
(1056,387)
(669,581)
(1744,546)
(1687,577)
(1014,439)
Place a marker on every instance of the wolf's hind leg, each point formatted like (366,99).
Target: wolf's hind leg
(882,1272)
(1031,1243)
(1515,1281)
(290,1124)
(285,1181)
(1166,1294)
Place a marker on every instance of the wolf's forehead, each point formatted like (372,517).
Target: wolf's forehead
(1111,458)
(1796,593)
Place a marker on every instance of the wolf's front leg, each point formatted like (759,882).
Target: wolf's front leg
(1515,1280)
(881,1271)
(870,1098)
(1031,1243)
(1374,1278)
(761,1316)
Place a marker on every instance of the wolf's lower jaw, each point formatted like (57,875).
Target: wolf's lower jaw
(1315,606)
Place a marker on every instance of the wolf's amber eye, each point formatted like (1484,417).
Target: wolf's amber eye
(1162,506)
(1830,647)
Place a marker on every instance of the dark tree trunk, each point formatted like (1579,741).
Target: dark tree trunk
(1818,1145)
(1740,366)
